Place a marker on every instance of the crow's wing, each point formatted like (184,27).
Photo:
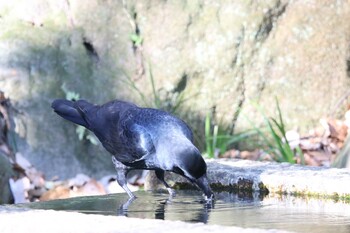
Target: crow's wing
(135,144)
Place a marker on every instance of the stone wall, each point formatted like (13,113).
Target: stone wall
(226,53)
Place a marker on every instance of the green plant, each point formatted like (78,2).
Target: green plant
(136,39)
(81,131)
(343,158)
(168,100)
(210,137)
(217,141)
(70,95)
(275,138)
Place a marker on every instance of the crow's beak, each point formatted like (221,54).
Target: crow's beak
(203,184)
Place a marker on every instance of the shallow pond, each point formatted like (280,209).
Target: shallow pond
(253,211)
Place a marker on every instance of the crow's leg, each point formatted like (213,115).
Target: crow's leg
(123,209)
(122,171)
(160,176)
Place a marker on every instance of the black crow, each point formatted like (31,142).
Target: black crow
(140,138)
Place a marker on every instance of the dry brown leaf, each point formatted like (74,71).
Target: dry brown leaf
(59,192)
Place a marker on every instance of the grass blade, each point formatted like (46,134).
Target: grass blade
(155,95)
(207,135)
(215,134)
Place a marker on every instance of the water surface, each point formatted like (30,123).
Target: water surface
(287,213)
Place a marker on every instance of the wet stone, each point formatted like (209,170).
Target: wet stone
(268,177)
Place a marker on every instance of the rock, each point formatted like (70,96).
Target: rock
(152,183)
(230,52)
(269,177)
(6,173)
(20,189)
(343,159)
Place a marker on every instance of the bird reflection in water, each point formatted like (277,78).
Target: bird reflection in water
(175,208)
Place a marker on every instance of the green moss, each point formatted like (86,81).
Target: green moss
(243,186)
(183,186)
(335,196)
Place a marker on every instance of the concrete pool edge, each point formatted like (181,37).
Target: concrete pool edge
(234,175)
(23,220)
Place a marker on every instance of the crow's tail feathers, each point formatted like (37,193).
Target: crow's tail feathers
(69,111)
